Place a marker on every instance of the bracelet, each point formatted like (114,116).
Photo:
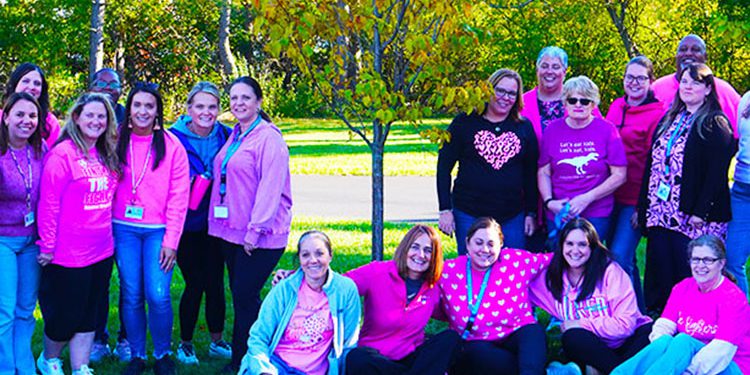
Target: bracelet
(546,202)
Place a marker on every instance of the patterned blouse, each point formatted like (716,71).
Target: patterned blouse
(550,111)
(667,214)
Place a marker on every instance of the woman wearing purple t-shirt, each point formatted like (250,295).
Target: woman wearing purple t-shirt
(581,160)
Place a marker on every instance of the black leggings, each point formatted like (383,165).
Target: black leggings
(585,348)
(433,357)
(666,265)
(247,275)
(202,265)
(523,352)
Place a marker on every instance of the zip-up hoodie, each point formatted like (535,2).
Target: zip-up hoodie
(636,126)
(258,190)
(163,192)
(611,312)
(200,153)
(277,309)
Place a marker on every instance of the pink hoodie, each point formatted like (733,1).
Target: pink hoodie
(611,312)
(259,193)
(163,192)
(75,207)
(666,87)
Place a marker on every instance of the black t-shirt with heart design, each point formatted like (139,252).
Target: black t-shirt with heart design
(497,165)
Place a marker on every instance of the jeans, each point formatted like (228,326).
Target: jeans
(667,355)
(513,235)
(137,253)
(622,242)
(739,231)
(19,283)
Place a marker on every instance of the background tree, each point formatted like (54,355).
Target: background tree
(96,37)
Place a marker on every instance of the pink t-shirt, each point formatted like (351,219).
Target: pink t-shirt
(505,306)
(579,160)
(309,335)
(719,314)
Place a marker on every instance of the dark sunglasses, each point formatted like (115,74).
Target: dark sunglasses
(112,85)
(574,101)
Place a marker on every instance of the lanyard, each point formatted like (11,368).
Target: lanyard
(27,183)
(231,150)
(133,181)
(474,308)
(685,119)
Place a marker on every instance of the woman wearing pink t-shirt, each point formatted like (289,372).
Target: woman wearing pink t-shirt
(485,298)
(581,161)
(704,328)
(77,190)
(29,78)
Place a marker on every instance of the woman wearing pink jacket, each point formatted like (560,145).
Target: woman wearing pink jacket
(75,230)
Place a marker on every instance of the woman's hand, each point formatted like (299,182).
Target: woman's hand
(569,324)
(529,226)
(280,275)
(45,258)
(167,258)
(579,204)
(249,248)
(556,205)
(446,223)
(696,221)
(634,219)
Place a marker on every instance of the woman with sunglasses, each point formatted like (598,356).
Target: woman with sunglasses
(636,115)
(29,78)
(704,328)
(149,213)
(685,191)
(581,161)
(496,152)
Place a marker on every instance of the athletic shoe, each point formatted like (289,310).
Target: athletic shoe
(164,366)
(557,368)
(99,351)
(122,351)
(220,349)
(135,367)
(52,366)
(186,354)
(84,370)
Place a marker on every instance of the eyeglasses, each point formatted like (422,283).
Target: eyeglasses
(707,261)
(103,85)
(629,78)
(505,93)
(574,101)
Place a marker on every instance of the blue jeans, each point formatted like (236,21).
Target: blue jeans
(738,249)
(137,254)
(667,355)
(19,283)
(622,242)
(513,236)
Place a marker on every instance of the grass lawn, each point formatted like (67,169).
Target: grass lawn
(327,147)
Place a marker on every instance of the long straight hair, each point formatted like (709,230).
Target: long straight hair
(106,143)
(432,275)
(36,138)
(595,266)
(125,130)
(707,114)
(15,78)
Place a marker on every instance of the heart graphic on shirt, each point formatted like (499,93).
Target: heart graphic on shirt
(451,265)
(486,334)
(503,269)
(501,302)
(523,272)
(465,319)
(523,294)
(519,285)
(495,313)
(498,282)
(486,305)
(448,297)
(460,276)
(480,316)
(516,264)
(533,271)
(457,308)
(445,275)
(493,294)
(506,290)
(462,298)
(528,313)
(514,298)
(506,256)
(511,277)
(497,150)
(454,286)
(536,258)
(509,310)
(504,321)
(527,260)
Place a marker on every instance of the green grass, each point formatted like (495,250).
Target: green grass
(328,147)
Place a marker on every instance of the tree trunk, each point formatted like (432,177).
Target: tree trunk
(377,149)
(96,37)
(228,65)
(619,22)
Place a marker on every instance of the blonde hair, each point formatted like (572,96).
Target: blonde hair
(582,85)
(207,87)
(106,144)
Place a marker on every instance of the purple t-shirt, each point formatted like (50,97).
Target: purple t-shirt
(579,161)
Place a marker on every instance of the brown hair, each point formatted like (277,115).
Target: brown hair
(717,247)
(485,223)
(432,274)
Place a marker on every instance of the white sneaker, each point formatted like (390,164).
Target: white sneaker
(220,349)
(52,366)
(84,370)
(186,354)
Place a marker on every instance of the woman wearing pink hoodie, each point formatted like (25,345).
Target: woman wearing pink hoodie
(636,116)
(75,230)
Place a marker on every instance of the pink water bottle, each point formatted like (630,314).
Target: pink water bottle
(198,190)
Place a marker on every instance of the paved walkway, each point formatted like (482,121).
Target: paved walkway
(407,198)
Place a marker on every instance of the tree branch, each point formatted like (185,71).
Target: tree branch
(399,20)
(619,22)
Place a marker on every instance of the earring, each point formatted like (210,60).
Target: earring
(130,125)
(156,125)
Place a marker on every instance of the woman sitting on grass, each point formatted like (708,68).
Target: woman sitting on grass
(593,298)
(308,321)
